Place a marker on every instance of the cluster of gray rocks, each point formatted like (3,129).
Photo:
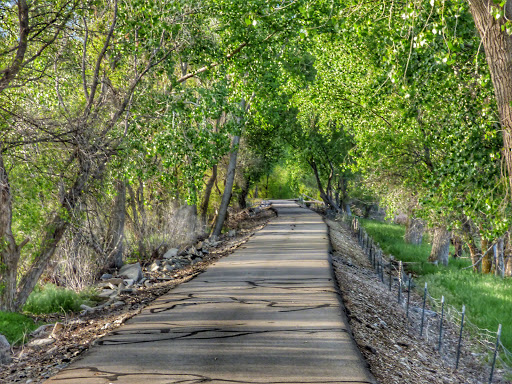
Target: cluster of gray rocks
(133,276)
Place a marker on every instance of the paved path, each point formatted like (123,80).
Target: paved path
(269,313)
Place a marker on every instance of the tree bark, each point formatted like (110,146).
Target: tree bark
(440,246)
(498,51)
(115,234)
(207,194)
(474,252)
(457,244)
(487,256)
(226,196)
(244,191)
(9,250)
(414,230)
(8,74)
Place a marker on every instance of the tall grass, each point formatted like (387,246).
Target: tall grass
(488,299)
(52,299)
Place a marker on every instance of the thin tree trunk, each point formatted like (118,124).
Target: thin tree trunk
(498,51)
(244,191)
(115,234)
(9,252)
(207,194)
(226,196)
(440,246)
(323,195)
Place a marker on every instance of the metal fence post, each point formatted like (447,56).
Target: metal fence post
(400,282)
(441,325)
(460,336)
(408,294)
(423,312)
(390,272)
(498,334)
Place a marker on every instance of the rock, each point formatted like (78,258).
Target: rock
(232,233)
(206,252)
(106,276)
(5,350)
(107,293)
(41,330)
(115,281)
(155,266)
(148,284)
(56,329)
(127,290)
(169,268)
(84,307)
(173,252)
(40,343)
(128,283)
(131,271)
(199,245)
(117,304)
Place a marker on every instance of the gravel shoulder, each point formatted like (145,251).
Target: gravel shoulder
(389,341)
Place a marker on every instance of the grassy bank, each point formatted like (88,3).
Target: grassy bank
(488,299)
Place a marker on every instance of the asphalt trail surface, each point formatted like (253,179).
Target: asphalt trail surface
(268,313)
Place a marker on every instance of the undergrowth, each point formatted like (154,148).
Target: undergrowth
(488,299)
(52,299)
(16,327)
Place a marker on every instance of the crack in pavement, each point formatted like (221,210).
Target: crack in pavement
(190,335)
(185,378)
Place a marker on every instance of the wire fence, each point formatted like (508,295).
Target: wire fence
(433,315)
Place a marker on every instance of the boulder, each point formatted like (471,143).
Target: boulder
(131,271)
(106,276)
(5,350)
(171,253)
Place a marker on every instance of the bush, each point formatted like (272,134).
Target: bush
(16,327)
(51,299)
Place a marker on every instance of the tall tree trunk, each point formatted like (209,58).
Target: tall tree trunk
(244,191)
(457,244)
(414,230)
(9,250)
(487,256)
(498,51)
(207,194)
(440,246)
(226,196)
(115,235)
(468,231)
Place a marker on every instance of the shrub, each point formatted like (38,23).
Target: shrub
(51,299)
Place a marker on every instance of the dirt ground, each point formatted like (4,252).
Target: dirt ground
(389,341)
(79,331)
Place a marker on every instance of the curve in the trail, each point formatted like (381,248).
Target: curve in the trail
(269,313)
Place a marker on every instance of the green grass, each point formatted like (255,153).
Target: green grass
(52,299)
(488,299)
(16,327)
